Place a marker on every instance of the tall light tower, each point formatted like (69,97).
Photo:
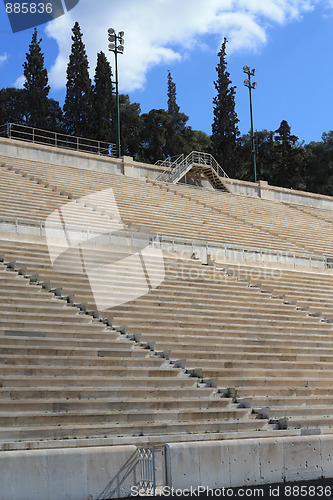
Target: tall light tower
(251,86)
(117,47)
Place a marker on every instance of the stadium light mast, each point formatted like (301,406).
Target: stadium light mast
(251,85)
(117,47)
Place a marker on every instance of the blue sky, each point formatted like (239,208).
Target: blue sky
(289,42)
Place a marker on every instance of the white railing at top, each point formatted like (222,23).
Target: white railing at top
(56,139)
(174,172)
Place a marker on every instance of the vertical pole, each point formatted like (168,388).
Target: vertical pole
(252,136)
(117,102)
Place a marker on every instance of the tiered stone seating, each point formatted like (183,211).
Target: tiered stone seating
(66,376)
(159,211)
(30,200)
(310,292)
(308,228)
(219,329)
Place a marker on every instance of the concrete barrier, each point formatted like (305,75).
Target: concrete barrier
(71,474)
(248,462)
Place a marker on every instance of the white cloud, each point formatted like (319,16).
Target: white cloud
(3,58)
(19,82)
(163,31)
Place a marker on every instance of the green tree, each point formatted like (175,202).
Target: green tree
(289,159)
(199,141)
(55,117)
(224,128)
(2,110)
(177,132)
(154,132)
(130,126)
(14,105)
(78,108)
(319,165)
(36,88)
(103,100)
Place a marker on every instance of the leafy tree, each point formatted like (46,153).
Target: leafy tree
(78,107)
(130,126)
(199,141)
(36,88)
(55,117)
(224,128)
(154,127)
(266,156)
(319,165)
(2,110)
(103,100)
(14,105)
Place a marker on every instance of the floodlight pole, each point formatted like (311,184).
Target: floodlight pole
(251,86)
(114,47)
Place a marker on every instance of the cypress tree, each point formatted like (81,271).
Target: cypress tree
(224,129)
(78,107)
(103,99)
(173,108)
(36,86)
(177,133)
(289,158)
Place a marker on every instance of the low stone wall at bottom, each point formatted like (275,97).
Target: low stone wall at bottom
(113,471)
(70,473)
(249,462)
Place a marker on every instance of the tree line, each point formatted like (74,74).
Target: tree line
(89,111)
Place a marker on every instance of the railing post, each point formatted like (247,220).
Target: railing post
(33,134)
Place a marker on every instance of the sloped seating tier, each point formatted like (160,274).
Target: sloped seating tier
(67,376)
(144,205)
(213,324)
(30,201)
(309,290)
(306,227)
(241,338)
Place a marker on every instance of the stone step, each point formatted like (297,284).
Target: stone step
(111,404)
(308,411)
(93,417)
(25,352)
(243,383)
(119,394)
(310,422)
(39,381)
(276,364)
(112,341)
(83,371)
(292,401)
(282,391)
(61,432)
(270,373)
(80,361)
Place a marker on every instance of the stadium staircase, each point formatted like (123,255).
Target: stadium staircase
(201,163)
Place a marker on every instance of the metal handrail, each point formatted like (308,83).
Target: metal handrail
(170,162)
(158,240)
(56,139)
(178,169)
